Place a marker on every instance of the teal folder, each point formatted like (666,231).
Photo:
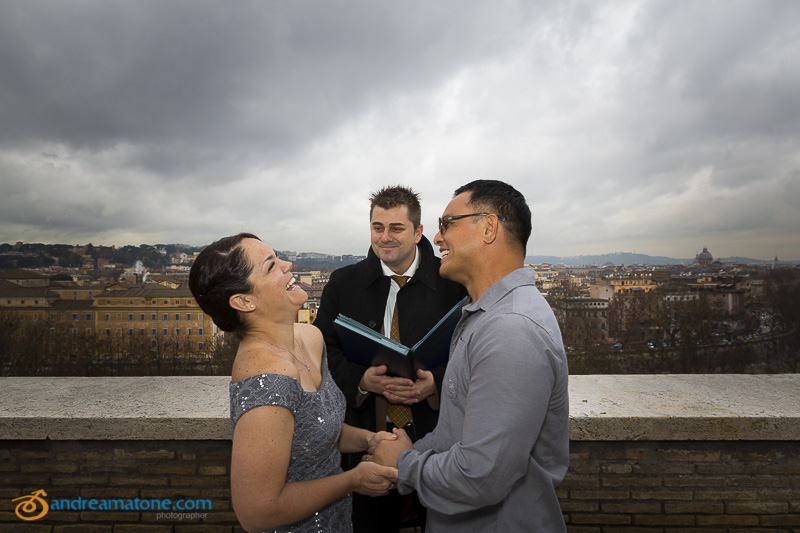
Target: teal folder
(368,347)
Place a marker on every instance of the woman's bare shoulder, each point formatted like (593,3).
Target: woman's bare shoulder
(311,336)
(255,360)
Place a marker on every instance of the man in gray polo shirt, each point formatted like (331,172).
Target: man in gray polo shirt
(501,446)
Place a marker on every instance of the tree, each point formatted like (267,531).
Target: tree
(782,295)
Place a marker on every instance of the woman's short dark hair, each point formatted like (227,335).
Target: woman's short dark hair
(220,271)
(493,196)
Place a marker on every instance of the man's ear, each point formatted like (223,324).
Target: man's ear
(491,228)
(418,234)
(241,302)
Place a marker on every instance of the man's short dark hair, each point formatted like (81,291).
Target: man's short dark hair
(492,196)
(397,196)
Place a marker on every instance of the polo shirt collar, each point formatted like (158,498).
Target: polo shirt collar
(495,293)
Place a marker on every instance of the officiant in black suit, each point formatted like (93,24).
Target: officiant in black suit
(397,291)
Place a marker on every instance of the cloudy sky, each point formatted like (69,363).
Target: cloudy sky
(656,126)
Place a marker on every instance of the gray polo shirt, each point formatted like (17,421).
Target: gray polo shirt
(501,446)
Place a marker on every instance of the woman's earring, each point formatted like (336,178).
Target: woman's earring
(252,306)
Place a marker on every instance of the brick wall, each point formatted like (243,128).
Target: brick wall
(611,486)
(127,470)
(682,486)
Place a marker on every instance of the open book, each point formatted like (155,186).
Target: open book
(368,347)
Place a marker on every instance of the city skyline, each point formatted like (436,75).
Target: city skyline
(652,126)
(617,257)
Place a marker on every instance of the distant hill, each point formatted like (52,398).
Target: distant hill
(626,258)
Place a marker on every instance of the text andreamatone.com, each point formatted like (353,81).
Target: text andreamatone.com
(136,504)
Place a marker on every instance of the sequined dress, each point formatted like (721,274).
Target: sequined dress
(318,418)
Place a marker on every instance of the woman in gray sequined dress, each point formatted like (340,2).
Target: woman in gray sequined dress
(286,412)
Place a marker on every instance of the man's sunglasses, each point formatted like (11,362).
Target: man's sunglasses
(446,221)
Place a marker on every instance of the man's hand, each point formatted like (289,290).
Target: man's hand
(375,380)
(377,438)
(411,393)
(388,451)
(372,479)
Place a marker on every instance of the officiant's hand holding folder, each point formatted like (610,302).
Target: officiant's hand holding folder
(368,347)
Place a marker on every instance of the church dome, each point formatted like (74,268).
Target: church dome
(704,257)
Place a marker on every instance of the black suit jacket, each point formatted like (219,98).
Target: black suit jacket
(360,291)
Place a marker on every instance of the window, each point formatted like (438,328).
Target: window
(141,317)
(154,344)
(153,316)
(165,317)
(188,316)
(199,316)
(74,317)
(177,316)
(108,317)
(88,331)
(200,345)
(130,317)
(74,332)
(141,331)
(165,332)
(22,302)
(36,316)
(107,332)
(52,332)
(52,317)
(130,332)
(88,316)
(74,295)
(153,332)
(177,331)
(199,331)
(177,302)
(189,332)
(166,302)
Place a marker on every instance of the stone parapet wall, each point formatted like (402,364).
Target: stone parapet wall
(648,453)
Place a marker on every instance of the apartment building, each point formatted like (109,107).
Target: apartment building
(154,316)
(628,285)
(582,314)
(149,316)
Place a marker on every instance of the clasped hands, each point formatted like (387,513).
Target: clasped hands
(398,390)
(385,448)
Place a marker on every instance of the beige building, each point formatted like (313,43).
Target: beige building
(154,316)
(628,285)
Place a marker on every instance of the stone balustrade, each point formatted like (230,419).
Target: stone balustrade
(648,452)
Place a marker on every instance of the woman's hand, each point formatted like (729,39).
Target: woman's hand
(373,479)
(378,437)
